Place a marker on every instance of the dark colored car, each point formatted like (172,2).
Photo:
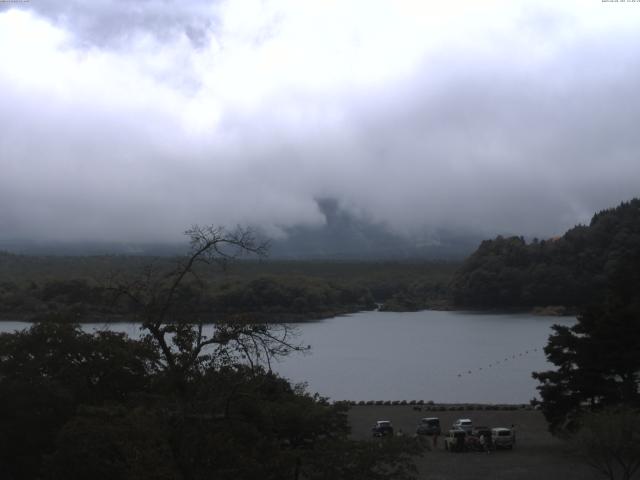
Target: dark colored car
(429,426)
(382,428)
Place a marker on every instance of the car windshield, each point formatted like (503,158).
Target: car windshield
(504,433)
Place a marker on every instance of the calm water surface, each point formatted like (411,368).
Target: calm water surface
(428,355)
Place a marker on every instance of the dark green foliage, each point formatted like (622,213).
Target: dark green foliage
(609,441)
(89,447)
(598,358)
(74,288)
(291,295)
(49,370)
(106,366)
(75,405)
(32,411)
(70,292)
(572,270)
(419,295)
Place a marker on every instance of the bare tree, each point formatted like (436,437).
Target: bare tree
(179,332)
(188,347)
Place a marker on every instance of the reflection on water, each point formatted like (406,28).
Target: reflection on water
(428,355)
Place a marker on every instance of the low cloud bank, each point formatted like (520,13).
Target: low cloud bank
(132,127)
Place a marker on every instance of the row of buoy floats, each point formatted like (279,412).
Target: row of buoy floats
(506,359)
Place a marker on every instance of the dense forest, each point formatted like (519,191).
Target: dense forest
(570,271)
(77,287)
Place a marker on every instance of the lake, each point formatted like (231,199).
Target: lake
(449,357)
(429,355)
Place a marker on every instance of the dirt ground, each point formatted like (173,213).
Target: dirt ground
(536,456)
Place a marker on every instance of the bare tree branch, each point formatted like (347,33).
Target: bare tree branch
(184,346)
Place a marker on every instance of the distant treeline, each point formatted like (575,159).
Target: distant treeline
(572,270)
(569,271)
(77,288)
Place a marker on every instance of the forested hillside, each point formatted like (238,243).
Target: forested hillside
(571,271)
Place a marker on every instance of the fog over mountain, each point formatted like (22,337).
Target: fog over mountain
(422,122)
(342,236)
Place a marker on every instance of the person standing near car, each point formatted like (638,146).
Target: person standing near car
(484,443)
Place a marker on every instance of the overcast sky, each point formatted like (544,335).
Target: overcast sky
(132,120)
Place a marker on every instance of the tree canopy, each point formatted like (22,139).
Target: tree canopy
(598,364)
(598,358)
(572,270)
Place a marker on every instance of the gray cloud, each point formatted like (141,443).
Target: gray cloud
(154,116)
(111,23)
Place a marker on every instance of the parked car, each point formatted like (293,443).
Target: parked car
(455,441)
(429,426)
(382,428)
(463,424)
(502,437)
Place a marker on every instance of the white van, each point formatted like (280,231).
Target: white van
(502,438)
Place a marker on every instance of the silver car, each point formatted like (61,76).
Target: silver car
(463,424)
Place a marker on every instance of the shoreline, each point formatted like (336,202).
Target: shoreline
(430,406)
(289,317)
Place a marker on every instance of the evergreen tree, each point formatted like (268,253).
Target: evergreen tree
(598,361)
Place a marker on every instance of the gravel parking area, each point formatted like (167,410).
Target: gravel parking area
(537,455)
